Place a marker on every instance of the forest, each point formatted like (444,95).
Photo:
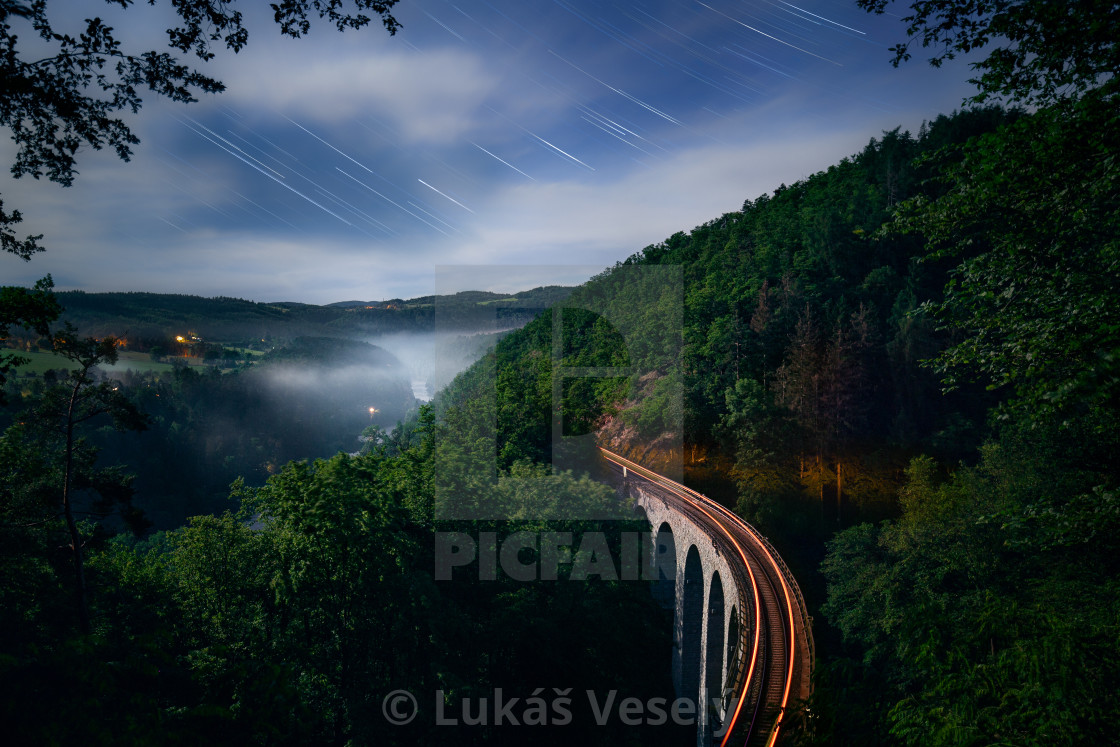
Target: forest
(904,370)
(918,409)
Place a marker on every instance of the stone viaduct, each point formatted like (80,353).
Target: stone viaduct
(742,640)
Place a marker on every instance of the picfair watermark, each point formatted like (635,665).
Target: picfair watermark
(547,556)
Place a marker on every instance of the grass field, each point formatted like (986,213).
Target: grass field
(41,362)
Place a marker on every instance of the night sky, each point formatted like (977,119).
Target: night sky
(504,132)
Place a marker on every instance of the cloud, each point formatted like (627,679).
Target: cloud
(432,98)
(189,216)
(115,229)
(601,221)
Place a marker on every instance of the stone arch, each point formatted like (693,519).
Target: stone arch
(642,516)
(645,559)
(665,562)
(732,638)
(713,657)
(692,625)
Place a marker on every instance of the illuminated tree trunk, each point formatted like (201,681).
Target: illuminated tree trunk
(68,511)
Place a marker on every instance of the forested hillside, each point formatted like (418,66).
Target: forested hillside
(800,360)
(909,367)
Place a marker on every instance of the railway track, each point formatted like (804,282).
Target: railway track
(773,657)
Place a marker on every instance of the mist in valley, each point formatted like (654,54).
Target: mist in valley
(432,360)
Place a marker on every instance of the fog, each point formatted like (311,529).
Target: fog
(310,399)
(321,380)
(432,359)
(342,385)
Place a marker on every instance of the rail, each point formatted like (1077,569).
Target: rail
(789,605)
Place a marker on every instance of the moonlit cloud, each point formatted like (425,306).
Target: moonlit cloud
(427,98)
(594,222)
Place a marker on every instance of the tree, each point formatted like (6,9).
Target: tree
(766,444)
(1032,215)
(827,388)
(56,101)
(1007,569)
(52,429)
(848,392)
(1045,51)
(33,308)
(989,607)
(53,103)
(1030,209)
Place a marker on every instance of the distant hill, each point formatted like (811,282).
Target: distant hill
(347,304)
(157,316)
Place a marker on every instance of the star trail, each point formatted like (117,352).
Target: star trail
(497,131)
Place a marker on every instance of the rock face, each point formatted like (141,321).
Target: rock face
(662,452)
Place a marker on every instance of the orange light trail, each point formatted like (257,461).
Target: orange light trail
(672,487)
(789,606)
